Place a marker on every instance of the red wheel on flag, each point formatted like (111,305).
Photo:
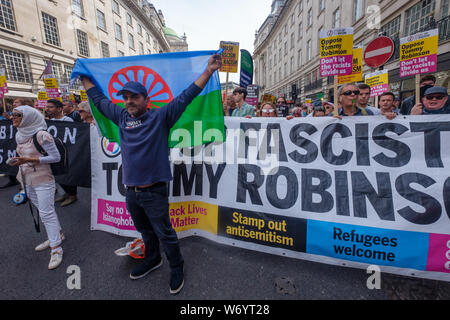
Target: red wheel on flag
(157,89)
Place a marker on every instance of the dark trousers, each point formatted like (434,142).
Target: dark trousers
(149,210)
(70,190)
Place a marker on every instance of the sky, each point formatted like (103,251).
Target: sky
(207,22)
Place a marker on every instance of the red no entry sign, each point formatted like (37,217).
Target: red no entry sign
(378,52)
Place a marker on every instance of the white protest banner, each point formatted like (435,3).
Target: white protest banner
(356,192)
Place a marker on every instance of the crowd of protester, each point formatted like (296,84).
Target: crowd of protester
(353,100)
(56,110)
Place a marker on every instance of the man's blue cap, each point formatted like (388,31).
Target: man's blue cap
(134,87)
(436,90)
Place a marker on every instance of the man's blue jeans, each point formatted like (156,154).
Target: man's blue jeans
(149,210)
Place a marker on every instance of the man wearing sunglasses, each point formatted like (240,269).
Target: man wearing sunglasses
(348,97)
(435,101)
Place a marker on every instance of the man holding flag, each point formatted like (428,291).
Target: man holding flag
(144,135)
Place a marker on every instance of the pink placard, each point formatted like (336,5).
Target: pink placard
(379,90)
(114,214)
(415,66)
(52,93)
(336,66)
(439,253)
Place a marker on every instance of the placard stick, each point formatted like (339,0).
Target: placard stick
(417,88)
(335,89)
(4,105)
(226,94)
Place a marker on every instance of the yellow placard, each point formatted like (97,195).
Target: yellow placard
(341,45)
(83,95)
(194,215)
(268,98)
(357,67)
(42,95)
(377,80)
(419,48)
(230,56)
(50,83)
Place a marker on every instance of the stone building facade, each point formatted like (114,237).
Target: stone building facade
(286,51)
(33,31)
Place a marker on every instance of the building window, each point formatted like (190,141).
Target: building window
(115,7)
(61,72)
(392,28)
(292,65)
(50,29)
(292,40)
(105,49)
(147,37)
(119,32)
(16,65)
(131,41)
(101,20)
(129,19)
(139,29)
(337,18)
(7,20)
(321,5)
(310,18)
(445,8)
(300,6)
(308,50)
(77,7)
(120,53)
(357,10)
(418,16)
(300,30)
(83,44)
(141,48)
(300,58)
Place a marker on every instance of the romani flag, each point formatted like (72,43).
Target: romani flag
(165,76)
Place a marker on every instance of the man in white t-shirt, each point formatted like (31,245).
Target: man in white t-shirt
(54,111)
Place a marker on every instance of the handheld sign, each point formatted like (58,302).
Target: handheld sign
(230,56)
(357,68)
(51,86)
(42,99)
(418,54)
(378,82)
(336,56)
(378,52)
(336,52)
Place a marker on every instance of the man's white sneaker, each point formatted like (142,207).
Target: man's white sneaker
(55,259)
(46,244)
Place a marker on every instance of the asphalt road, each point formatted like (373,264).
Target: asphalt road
(213,271)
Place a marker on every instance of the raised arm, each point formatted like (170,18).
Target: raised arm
(176,107)
(214,64)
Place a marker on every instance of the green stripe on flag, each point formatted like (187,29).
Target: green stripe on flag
(201,123)
(203,120)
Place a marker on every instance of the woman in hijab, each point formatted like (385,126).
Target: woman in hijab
(36,176)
